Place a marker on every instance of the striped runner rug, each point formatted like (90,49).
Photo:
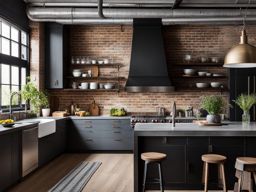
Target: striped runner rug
(77,178)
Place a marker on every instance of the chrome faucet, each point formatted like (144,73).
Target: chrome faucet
(173,113)
(11,98)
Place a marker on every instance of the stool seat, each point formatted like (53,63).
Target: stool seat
(153,156)
(246,160)
(213,158)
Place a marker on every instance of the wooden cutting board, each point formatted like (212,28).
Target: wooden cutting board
(94,109)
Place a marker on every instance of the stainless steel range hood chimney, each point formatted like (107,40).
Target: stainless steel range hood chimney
(148,68)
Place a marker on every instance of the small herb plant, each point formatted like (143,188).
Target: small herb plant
(214,105)
(245,102)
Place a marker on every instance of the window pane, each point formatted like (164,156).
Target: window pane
(5,30)
(5,95)
(15,100)
(5,74)
(5,46)
(23,38)
(23,52)
(15,75)
(15,49)
(23,76)
(14,34)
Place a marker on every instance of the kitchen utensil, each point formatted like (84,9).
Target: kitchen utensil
(215,84)
(88,61)
(208,74)
(202,85)
(77,72)
(189,72)
(201,73)
(90,73)
(161,111)
(84,75)
(109,86)
(72,60)
(93,85)
(78,60)
(100,62)
(83,60)
(94,109)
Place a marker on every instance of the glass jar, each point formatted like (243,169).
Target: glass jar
(246,118)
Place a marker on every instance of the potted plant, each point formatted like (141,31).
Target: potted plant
(214,106)
(36,98)
(245,102)
(44,104)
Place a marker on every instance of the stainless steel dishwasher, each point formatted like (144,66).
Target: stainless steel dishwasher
(29,150)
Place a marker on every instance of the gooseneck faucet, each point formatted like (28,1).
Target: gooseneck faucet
(11,98)
(173,113)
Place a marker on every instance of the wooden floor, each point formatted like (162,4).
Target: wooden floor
(114,175)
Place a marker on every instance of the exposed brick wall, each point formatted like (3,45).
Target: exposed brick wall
(114,41)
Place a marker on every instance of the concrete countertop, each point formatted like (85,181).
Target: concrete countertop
(103,117)
(16,127)
(192,129)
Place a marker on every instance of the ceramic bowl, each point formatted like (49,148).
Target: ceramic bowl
(208,74)
(215,84)
(109,86)
(190,72)
(201,73)
(202,85)
(100,62)
(93,61)
(77,73)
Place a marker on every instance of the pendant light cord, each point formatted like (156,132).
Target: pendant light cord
(245,14)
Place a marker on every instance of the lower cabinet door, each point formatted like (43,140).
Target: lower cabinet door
(196,147)
(174,166)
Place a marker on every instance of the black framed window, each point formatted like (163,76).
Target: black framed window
(14,63)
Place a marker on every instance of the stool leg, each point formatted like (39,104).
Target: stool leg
(160,176)
(240,182)
(206,177)
(145,176)
(223,177)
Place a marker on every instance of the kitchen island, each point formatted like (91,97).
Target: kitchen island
(184,144)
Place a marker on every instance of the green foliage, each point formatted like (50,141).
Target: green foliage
(117,112)
(245,102)
(214,105)
(37,99)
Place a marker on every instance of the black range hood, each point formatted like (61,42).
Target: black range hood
(148,68)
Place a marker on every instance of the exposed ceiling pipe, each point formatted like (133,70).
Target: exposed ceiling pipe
(100,9)
(106,1)
(121,13)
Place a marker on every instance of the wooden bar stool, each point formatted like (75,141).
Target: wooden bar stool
(246,174)
(214,159)
(153,157)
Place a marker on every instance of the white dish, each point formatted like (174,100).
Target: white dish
(190,72)
(106,61)
(94,61)
(201,73)
(202,85)
(208,74)
(100,62)
(84,85)
(215,84)
(109,86)
(76,73)
(93,85)
(217,75)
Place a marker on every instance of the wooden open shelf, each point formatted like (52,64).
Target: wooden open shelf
(92,90)
(98,78)
(98,65)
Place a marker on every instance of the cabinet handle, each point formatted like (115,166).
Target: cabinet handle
(89,140)
(118,140)
(116,131)
(30,130)
(116,127)
(249,84)
(164,140)
(188,167)
(88,127)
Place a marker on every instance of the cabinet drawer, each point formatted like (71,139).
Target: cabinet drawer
(80,124)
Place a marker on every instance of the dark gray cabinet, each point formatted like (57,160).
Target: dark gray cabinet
(10,161)
(110,134)
(53,145)
(55,55)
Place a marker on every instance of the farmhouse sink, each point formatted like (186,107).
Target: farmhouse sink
(45,126)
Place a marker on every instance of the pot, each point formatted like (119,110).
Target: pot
(46,112)
(213,119)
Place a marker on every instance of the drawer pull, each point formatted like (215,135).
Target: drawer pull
(89,140)
(118,140)
(88,127)
(116,127)
(116,131)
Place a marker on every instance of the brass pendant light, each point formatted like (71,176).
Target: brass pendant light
(242,55)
